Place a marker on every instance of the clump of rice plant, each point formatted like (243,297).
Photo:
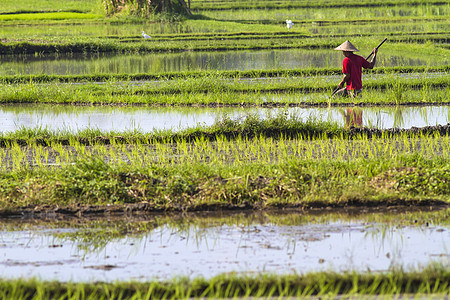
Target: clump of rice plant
(430,282)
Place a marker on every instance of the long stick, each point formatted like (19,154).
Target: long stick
(385,39)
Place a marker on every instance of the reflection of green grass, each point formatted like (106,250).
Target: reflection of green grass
(429,282)
(399,73)
(116,227)
(58,110)
(265,62)
(93,236)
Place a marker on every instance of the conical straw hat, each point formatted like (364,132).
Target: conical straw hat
(346,46)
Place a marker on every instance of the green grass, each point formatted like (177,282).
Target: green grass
(280,161)
(253,164)
(131,27)
(250,126)
(281,126)
(326,13)
(264,4)
(432,282)
(48,16)
(221,88)
(205,75)
(318,26)
(245,41)
(13,6)
(252,174)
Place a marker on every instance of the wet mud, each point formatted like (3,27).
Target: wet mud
(137,211)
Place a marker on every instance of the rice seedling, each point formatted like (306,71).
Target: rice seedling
(127,79)
(241,154)
(220,92)
(428,282)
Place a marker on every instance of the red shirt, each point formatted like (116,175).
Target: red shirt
(353,65)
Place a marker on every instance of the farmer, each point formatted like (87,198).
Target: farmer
(352,69)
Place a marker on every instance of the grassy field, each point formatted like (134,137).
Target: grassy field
(413,31)
(12,6)
(278,88)
(255,164)
(204,181)
(225,25)
(57,27)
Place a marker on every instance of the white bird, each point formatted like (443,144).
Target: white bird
(289,24)
(146,36)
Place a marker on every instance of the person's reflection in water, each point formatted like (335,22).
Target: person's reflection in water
(353,117)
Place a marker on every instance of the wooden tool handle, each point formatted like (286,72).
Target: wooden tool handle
(385,39)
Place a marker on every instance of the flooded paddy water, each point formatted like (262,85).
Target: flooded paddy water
(72,64)
(208,244)
(114,118)
(147,247)
(52,242)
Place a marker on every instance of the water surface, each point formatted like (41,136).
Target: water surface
(74,64)
(147,119)
(245,244)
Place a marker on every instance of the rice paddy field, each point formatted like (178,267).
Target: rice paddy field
(210,160)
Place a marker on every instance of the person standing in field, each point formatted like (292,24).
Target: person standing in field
(352,69)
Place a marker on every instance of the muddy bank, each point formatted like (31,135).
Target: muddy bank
(370,132)
(138,210)
(74,214)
